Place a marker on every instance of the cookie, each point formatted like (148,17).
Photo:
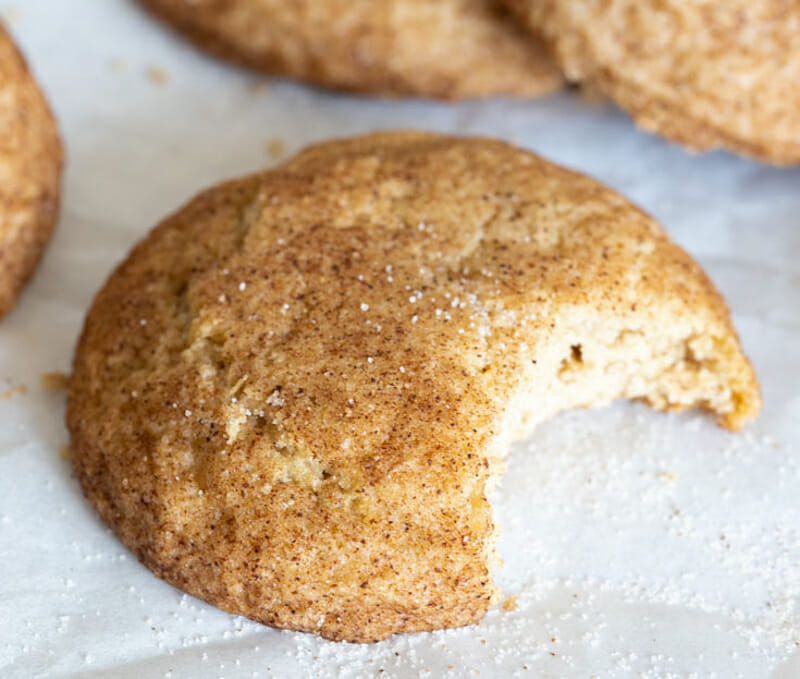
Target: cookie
(708,74)
(293,397)
(448,49)
(30,170)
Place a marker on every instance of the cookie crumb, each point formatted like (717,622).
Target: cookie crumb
(157,75)
(510,604)
(119,65)
(10,393)
(275,147)
(54,380)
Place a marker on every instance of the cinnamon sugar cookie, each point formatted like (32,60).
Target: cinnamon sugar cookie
(448,49)
(291,398)
(707,73)
(30,168)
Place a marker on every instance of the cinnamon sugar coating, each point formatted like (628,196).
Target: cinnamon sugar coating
(448,49)
(290,398)
(707,73)
(30,170)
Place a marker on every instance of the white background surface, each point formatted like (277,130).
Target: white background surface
(638,544)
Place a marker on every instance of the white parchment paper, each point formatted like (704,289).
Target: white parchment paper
(636,544)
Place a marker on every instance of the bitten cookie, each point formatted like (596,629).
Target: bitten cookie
(707,73)
(290,398)
(449,49)
(30,170)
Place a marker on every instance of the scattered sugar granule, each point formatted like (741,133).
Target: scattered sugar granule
(275,399)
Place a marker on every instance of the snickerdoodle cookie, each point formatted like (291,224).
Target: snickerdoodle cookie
(706,73)
(437,48)
(290,398)
(30,170)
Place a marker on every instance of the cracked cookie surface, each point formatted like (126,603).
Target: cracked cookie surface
(30,169)
(290,398)
(708,73)
(448,49)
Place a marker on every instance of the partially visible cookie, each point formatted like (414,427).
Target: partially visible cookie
(447,49)
(706,73)
(30,169)
(293,397)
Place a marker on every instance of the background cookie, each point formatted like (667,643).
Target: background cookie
(706,74)
(438,48)
(30,167)
(291,397)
